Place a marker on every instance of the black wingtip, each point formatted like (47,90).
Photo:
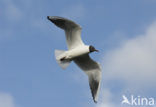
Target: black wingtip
(48,18)
(95,101)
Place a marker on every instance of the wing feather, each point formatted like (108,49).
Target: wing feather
(72,30)
(93,70)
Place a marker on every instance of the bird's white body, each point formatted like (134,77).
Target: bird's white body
(77,52)
(73,53)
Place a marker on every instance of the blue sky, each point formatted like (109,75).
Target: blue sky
(123,31)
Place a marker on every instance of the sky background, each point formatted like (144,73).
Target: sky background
(123,30)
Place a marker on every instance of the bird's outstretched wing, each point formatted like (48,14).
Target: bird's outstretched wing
(72,30)
(93,70)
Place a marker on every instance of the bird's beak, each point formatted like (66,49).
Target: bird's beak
(96,50)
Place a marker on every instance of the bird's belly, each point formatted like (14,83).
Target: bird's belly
(76,52)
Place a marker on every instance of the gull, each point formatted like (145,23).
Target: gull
(78,52)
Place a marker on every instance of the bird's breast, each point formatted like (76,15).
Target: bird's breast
(76,52)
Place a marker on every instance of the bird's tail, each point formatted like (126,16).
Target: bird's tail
(63,63)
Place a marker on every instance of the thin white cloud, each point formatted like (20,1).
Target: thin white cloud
(133,64)
(135,60)
(10,15)
(6,100)
(106,99)
(11,10)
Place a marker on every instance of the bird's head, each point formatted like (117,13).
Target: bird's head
(92,49)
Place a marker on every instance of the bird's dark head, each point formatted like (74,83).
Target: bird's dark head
(92,49)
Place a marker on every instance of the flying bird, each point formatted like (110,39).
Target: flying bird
(78,52)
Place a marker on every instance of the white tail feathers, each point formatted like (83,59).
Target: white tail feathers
(63,63)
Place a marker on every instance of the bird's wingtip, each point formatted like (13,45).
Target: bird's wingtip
(95,101)
(48,17)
